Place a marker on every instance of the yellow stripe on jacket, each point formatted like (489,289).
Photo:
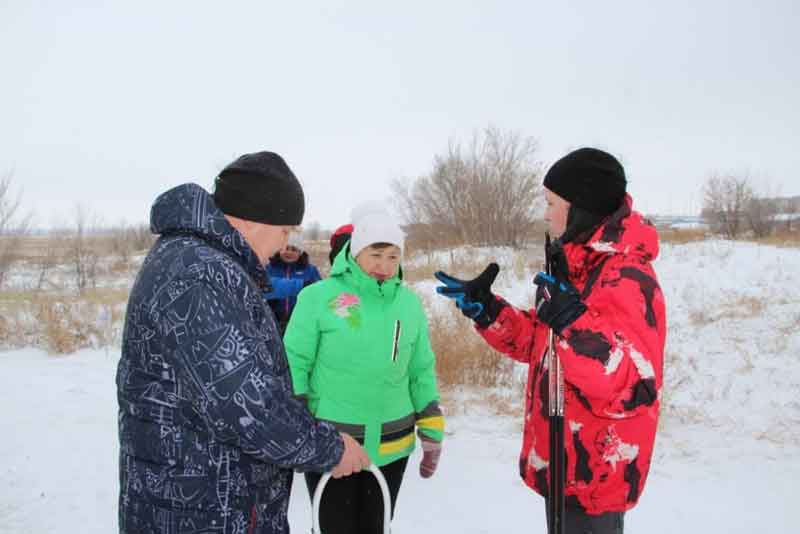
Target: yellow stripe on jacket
(395,446)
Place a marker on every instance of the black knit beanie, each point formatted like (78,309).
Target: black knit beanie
(260,187)
(590,179)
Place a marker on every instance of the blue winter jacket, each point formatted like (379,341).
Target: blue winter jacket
(301,272)
(209,430)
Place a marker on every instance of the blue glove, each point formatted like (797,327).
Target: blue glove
(559,303)
(473,297)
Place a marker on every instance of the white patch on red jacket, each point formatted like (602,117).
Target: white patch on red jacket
(615,450)
(644,367)
(604,246)
(614,359)
(535,460)
(575,426)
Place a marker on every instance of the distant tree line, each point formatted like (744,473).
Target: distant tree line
(732,207)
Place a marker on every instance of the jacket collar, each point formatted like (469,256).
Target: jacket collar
(189,209)
(626,232)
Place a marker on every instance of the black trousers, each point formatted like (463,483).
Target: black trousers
(354,505)
(576,521)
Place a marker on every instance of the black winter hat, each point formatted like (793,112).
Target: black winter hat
(260,187)
(590,179)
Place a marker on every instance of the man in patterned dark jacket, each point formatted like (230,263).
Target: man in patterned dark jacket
(209,430)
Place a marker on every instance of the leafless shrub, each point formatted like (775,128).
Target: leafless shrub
(791,210)
(463,357)
(82,256)
(69,325)
(681,236)
(314,232)
(13,226)
(61,323)
(123,241)
(486,193)
(760,215)
(725,201)
(44,262)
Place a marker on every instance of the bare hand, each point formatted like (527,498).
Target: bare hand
(354,458)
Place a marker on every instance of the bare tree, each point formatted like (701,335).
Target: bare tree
(486,193)
(791,211)
(760,214)
(46,259)
(13,226)
(313,232)
(126,240)
(725,201)
(81,254)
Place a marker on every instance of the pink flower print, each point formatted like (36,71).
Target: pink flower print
(346,305)
(346,300)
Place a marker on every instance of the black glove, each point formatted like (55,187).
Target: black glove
(474,297)
(560,303)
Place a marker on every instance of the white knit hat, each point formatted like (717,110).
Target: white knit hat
(295,240)
(372,223)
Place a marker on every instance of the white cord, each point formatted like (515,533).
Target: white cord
(387,503)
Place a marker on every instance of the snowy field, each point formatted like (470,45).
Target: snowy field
(726,459)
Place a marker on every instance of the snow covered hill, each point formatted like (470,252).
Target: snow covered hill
(726,459)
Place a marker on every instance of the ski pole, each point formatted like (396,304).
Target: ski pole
(555,396)
(387,502)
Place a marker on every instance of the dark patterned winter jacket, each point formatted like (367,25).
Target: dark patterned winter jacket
(612,358)
(209,430)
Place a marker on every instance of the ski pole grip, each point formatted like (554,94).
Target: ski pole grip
(387,503)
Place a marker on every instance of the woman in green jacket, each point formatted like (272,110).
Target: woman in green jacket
(359,352)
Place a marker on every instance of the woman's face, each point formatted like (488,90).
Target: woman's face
(555,214)
(290,254)
(380,263)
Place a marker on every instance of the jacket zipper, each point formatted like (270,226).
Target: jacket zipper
(396,339)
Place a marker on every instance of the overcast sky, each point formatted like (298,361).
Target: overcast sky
(109,103)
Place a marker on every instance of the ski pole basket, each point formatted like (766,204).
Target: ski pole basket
(387,503)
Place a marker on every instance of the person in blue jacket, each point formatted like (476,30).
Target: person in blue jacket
(210,431)
(290,271)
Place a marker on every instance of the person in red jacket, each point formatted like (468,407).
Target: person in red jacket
(604,304)
(339,239)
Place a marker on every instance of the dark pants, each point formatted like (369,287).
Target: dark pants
(576,521)
(354,505)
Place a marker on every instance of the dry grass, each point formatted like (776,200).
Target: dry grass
(743,308)
(782,238)
(471,374)
(736,307)
(682,236)
(700,317)
(456,263)
(463,357)
(61,324)
(424,270)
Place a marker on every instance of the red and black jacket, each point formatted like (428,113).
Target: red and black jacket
(612,357)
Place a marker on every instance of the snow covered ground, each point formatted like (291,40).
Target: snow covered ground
(726,460)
